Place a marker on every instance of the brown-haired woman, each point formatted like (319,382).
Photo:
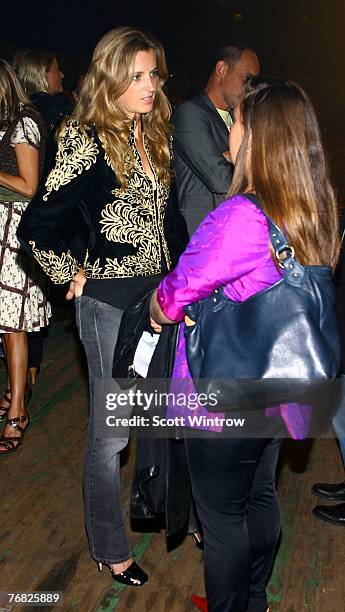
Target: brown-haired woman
(280,169)
(113,167)
(23,305)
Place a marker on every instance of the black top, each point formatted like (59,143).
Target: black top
(120,292)
(53,109)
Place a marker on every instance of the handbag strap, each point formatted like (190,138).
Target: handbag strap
(283,251)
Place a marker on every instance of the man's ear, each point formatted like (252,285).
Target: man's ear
(221,68)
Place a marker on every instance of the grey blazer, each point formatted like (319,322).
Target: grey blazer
(203,175)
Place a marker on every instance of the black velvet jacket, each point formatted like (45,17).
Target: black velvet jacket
(126,227)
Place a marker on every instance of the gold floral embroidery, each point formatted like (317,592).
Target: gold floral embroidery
(108,160)
(92,270)
(136,218)
(77,152)
(60,269)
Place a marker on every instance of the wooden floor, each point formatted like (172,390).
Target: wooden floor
(43,545)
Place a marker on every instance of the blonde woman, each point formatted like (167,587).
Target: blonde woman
(42,78)
(113,166)
(23,305)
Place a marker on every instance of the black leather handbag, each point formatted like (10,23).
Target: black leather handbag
(272,347)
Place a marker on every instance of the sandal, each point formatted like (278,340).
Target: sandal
(6,398)
(11,443)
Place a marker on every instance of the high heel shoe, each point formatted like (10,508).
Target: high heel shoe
(11,443)
(7,398)
(132,576)
(200,603)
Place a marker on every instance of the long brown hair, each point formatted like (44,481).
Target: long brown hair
(12,95)
(109,76)
(288,169)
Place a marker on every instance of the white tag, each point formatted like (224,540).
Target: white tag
(143,354)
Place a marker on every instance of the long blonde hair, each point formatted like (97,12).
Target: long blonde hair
(288,168)
(109,76)
(12,95)
(32,70)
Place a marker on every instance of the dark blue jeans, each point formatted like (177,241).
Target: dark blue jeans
(233,482)
(98,324)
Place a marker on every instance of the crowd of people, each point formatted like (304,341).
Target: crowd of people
(97,192)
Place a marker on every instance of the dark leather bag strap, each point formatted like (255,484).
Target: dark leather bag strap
(284,252)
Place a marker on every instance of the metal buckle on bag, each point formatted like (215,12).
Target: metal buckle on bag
(282,250)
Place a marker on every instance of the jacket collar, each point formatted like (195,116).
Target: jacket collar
(204,99)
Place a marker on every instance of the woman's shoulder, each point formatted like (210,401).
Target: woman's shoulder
(243,205)
(238,219)
(73,128)
(29,111)
(27,128)
(77,153)
(78,140)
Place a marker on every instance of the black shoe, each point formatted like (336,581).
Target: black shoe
(132,576)
(331,514)
(331,492)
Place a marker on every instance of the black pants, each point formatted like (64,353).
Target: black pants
(233,483)
(35,347)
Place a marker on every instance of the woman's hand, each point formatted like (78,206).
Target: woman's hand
(157,328)
(76,285)
(156,313)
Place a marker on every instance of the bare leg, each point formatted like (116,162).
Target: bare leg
(17,365)
(32,375)
(121,567)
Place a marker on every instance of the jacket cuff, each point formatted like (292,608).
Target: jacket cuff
(60,268)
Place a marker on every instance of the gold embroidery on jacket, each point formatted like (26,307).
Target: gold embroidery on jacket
(135,217)
(126,222)
(107,159)
(77,152)
(60,269)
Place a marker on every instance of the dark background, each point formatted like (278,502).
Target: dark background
(300,39)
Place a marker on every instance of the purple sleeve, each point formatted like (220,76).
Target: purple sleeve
(232,241)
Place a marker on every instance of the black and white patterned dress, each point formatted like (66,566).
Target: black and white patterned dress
(23,302)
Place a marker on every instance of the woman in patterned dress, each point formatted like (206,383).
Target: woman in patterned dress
(41,77)
(23,306)
(112,170)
